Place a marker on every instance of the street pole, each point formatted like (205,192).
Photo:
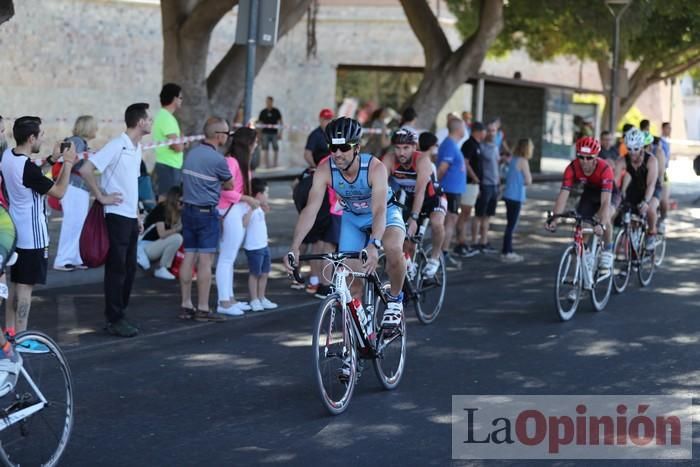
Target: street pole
(615,62)
(250,60)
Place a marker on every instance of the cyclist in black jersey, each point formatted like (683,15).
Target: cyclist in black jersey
(412,171)
(641,187)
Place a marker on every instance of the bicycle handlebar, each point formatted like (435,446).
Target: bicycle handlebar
(335,257)
(572,215)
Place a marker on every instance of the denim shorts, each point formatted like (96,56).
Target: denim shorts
(200,229)
(258,261)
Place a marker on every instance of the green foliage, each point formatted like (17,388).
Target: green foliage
(663,33)
(382,88)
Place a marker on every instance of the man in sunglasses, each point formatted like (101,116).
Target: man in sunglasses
(596,176)
(370,220)
(412,171)
(641,185)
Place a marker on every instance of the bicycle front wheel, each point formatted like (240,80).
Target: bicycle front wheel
(390,347)
(567,288)
(39,409)
(430,291)
(660,250)
(622,264)
(334,355)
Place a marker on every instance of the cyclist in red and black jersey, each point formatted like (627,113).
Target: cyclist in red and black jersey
(596,176)
(412,171)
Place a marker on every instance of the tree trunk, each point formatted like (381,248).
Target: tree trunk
(446,70)
(7,10)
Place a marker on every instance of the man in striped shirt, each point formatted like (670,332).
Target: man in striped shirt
(26,188)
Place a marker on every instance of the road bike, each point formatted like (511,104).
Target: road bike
(631,253)
(36,414)
(348,331)
(578,269)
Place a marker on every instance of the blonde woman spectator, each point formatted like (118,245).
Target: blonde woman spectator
(76,201)
(517,178)
(232,208)
(163,232)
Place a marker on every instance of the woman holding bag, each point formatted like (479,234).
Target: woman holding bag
(232,208)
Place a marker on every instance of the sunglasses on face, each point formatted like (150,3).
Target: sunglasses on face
(585,158)
(340,147)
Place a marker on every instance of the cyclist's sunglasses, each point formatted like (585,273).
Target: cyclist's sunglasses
(341,147)
(585,158)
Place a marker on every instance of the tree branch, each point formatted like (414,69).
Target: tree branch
(205,15)
(7,10)
(427,29)
(687,64)
(490,26)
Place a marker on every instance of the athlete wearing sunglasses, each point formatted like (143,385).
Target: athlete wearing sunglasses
(361,183)
(596,176)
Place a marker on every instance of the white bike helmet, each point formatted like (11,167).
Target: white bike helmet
(634,139)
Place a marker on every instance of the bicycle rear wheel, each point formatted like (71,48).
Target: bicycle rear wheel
(567,286)
(645,271)
(45,379)
(334,349)
(390,346)
(430,291)
(622,263)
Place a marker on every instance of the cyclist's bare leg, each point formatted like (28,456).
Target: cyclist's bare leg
(651,216)
(437,226)
(395,262)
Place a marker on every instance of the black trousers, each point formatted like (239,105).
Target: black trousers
(120,268)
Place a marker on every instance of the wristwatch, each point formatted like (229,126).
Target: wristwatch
(376,242)
(415,216)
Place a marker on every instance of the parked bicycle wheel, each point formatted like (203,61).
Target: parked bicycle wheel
(430,292)
(45,388)
(645,270)
(334,355)
(622,263)
(567,289)
(602,285)
(391,348)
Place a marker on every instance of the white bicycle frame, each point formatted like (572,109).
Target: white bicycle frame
(20,415)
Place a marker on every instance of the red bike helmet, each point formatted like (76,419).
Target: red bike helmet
(587,146)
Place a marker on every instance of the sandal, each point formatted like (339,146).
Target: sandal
(187,314)
(206,315)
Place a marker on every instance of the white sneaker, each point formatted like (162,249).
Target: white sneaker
(256,305)
(431,267)
(662,227)
(233,310)
(9,371)
(163,273)
(392,315)
(605,261)
(511,258)
(243,306)
(651,243)
(142,258)
(267,304)
(571,296)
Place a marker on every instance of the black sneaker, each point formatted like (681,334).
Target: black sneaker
(460,250)
(488,249)
(323,291)
(121,328)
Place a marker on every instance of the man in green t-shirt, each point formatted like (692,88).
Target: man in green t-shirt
(168,170)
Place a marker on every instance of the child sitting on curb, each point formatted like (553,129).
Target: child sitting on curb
(256,250)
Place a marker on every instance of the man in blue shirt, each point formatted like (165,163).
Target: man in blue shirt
(452,175)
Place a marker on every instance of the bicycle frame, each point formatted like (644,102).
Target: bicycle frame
(9,420)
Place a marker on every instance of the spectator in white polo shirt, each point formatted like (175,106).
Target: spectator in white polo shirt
(119,161)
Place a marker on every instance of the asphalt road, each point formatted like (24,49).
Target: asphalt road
(241,392)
